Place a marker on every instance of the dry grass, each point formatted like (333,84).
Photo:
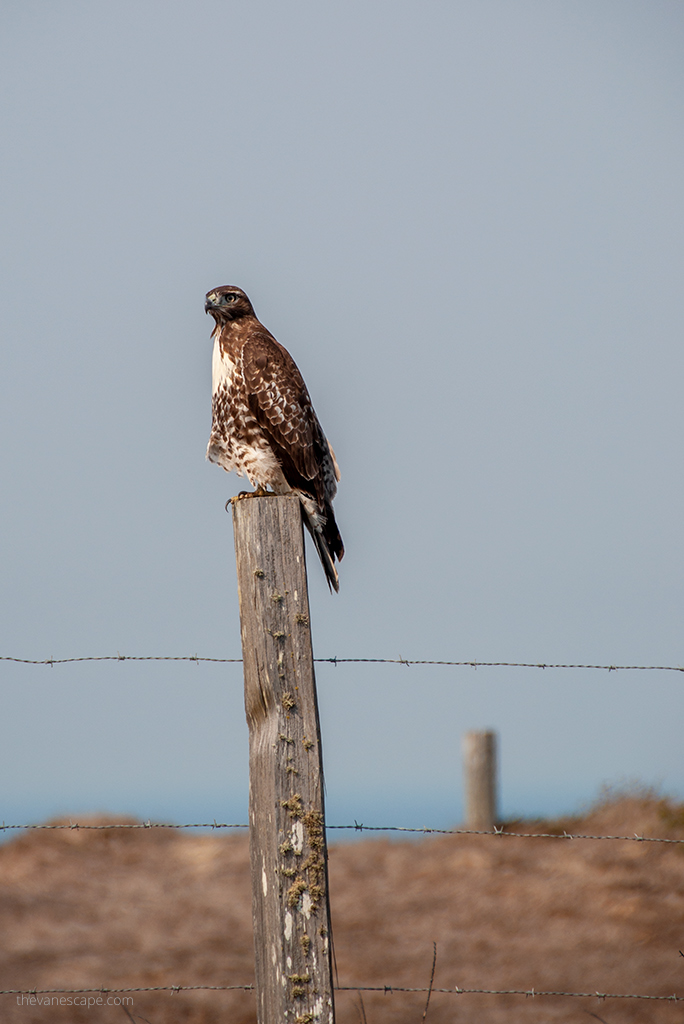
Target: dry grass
(121,908)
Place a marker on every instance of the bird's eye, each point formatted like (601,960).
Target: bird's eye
(230,297)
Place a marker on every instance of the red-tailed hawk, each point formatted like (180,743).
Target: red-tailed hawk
(263,423)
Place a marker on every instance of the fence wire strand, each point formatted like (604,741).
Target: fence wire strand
(530,993)
(356,827)
(76,826)
(350,661)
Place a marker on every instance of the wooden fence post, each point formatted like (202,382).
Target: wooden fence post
(479,762)
(290,905)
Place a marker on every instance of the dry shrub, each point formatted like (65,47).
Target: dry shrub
(152,907)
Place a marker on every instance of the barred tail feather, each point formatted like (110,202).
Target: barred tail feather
(326,537)
(326,560)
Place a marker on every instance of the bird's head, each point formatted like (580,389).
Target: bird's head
(227,303)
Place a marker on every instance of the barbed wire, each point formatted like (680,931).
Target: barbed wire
(501,832)
(350,661)
(356,827)
(120,657)
(504,664)
(76,826)
(111,991)
(530,993)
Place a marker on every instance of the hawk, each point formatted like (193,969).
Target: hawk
(263,423)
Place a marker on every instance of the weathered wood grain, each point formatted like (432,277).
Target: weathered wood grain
(286,811)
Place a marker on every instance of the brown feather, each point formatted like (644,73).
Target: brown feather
(264,424)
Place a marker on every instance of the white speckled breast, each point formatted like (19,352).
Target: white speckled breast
(237,442)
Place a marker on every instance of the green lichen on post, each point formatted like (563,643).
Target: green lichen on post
(299,981)
(313,867)
(314,863)
(317,892)
(293,806)
(294,893)
(313,823)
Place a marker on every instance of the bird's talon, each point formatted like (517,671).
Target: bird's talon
(258,493)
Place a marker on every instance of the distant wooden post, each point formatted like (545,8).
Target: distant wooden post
(288,850)
(479,762)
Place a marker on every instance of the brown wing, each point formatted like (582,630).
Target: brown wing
(281,405)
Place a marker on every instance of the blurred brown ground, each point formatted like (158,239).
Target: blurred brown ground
(128,908)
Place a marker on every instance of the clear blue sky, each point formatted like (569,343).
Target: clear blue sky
(464,220)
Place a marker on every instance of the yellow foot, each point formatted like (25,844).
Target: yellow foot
(260,492)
